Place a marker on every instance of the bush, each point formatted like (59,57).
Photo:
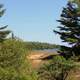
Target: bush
(13,62)
(57,69)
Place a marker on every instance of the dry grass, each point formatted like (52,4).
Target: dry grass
(74,74)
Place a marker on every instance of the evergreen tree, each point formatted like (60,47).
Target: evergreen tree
(78,4)
(70,30)
(3,33)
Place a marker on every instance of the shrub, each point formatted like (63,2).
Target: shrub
(13,62)
(57,69)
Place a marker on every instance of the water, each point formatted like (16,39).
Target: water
(49,50)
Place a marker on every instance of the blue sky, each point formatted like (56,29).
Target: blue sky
(33,20)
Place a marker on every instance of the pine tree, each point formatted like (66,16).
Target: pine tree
(3,33)
(78,4)
(70,30)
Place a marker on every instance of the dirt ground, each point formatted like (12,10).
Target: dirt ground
(35,57)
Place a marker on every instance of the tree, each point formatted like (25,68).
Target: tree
(70,30)
(78,3)
(3,33)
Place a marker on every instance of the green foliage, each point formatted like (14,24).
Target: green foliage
(77,2)
(39,46)
(70,30)
(11,53)
(3,33)
(57,69)
(13,62)
(10,74)
(2,11)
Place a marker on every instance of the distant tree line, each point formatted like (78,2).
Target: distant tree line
(39,45)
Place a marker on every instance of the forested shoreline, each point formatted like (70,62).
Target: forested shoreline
(39,46)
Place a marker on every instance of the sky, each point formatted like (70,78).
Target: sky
(33,20)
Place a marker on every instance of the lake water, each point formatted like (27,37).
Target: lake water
(48,50)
